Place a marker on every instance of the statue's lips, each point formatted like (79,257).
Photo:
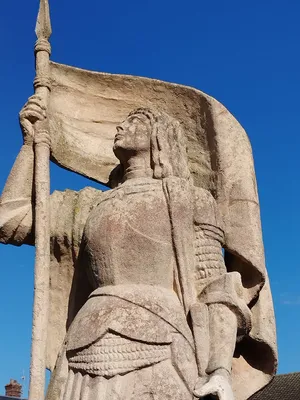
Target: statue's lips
(118,137)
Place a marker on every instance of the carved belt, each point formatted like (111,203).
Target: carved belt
(113,354)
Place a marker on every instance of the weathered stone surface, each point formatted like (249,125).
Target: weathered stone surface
(142,302)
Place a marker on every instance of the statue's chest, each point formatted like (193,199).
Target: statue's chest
(129,231)
(141,208)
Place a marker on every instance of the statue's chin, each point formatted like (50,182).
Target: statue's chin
(118,151)
(122,152)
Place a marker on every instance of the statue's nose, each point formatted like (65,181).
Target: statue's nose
(120,128)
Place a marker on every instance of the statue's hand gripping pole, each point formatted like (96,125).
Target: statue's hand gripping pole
(42,210)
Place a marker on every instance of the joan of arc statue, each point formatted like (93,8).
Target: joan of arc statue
(154,310)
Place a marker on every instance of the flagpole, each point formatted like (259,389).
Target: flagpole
(42,210)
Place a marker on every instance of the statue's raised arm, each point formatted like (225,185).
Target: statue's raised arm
(16,202)
(17,199)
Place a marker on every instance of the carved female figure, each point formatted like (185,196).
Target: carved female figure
(159,315)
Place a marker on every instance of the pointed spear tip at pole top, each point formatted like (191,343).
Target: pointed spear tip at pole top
(43,23)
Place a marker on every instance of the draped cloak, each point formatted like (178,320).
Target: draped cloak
(84,109)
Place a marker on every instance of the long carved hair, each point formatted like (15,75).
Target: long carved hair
(167,145)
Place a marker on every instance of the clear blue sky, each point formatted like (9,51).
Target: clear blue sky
(246,54)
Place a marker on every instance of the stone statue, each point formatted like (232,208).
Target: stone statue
(158,288)
(152,248)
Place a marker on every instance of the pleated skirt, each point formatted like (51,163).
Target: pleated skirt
(157,382)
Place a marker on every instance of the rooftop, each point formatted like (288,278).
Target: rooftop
(10,398)
(282,387)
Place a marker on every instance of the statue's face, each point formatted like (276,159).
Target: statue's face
(133,135)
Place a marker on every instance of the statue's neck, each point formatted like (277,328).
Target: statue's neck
(138,167)
(137,172)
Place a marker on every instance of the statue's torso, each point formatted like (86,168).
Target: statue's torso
(128,236)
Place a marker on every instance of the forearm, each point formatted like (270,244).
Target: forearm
(229,318)
(16,200)
(19,183)
(222,334)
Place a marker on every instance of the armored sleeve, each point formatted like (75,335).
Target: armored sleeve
(209,237)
